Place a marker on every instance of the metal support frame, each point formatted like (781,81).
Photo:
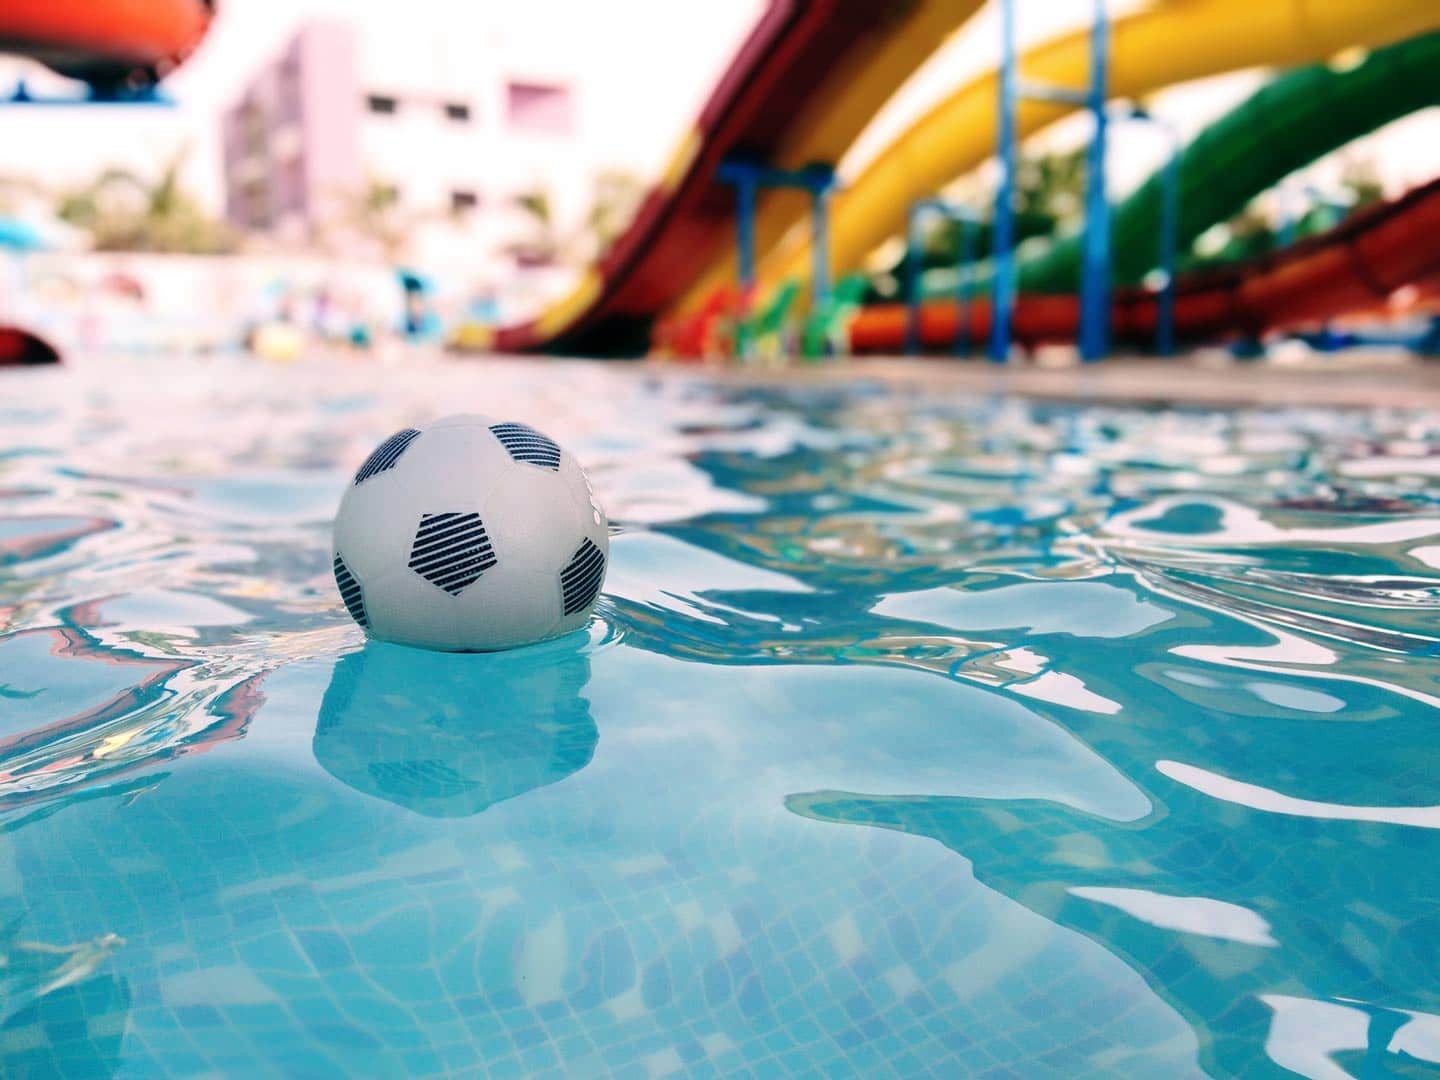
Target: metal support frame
(1002,303)
(963,267)
(150,95)
(1169,228)
(748,178)
(1095,279)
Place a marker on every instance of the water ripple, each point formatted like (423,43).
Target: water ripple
(1160,683)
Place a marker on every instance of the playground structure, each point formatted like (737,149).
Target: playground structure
(1353,268)
(676,263)
(1289,122)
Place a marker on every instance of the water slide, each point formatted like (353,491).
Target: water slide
(1288,123)
(21,348)
(1354,267)
(107,43)
(805,82)
(1155,47)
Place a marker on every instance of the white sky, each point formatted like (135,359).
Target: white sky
(642,69)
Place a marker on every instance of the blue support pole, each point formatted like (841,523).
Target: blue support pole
(914,259)
(749,177)
(745,228)
(964,275)
(1095,280)
(820,243)
(745,239)
(1003,292)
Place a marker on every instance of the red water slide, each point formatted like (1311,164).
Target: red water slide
(1349,269)
(801,56)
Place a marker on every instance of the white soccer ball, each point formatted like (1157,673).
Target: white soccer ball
(469,535)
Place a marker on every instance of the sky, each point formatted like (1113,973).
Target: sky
(642,69)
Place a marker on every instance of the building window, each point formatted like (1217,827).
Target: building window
(383,104)
(457,111)
(542,107)
(463,200)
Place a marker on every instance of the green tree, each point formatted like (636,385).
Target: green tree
(123,211)
(1049,198)
(541,245)
(374,212)
(1360,179)
(617,196)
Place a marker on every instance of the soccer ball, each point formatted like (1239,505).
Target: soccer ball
(470,535)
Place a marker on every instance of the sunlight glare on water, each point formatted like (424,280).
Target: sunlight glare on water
(914,735)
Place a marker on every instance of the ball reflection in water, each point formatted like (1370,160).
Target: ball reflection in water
(450,734)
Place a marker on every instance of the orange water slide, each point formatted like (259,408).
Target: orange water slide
(1354,267)
(105,42)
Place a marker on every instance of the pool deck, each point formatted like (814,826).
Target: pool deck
(1347,380)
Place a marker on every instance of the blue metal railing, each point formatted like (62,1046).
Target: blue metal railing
(964,269)
(748,177)
(1169,227)
(1095,277)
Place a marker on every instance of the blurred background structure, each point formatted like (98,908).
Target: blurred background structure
(547,178)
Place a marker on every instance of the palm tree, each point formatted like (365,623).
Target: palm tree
(374,213)
(541,246)
(125,212)
(617,196)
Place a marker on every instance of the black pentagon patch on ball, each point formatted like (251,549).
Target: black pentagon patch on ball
(451,550)
(526,444)
(350,592)
(386,454)
(580,580)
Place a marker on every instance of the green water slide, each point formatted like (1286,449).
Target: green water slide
(1297,118)
(1294,120)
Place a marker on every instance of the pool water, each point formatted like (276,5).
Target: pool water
(914,735)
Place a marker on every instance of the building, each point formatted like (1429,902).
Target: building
(452,152)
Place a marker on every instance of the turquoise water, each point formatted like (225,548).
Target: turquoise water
(913,736)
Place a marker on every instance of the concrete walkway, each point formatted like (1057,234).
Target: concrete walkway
(1350,380)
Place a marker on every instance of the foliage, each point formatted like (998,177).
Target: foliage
(123,211)
(616,198)
(375,214)
(1049,198)
(542,244)
(1252,232)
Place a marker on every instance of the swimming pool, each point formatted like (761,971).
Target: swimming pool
(915,735)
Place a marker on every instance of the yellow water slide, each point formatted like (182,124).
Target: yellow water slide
(1151,49)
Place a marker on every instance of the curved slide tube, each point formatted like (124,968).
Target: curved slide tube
(804,84)
(1149,50)
(1352,268)
(20,348)
(105,42)
(1286,124)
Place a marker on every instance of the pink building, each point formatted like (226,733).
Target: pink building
(474,138)
(291,144)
